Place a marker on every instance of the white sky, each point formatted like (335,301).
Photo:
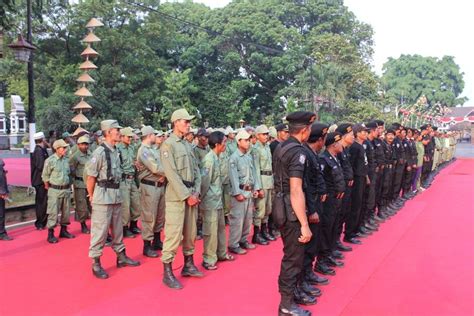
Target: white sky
(424,27)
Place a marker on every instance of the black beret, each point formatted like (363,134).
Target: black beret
(426,137)
(357,128)
(371,125)
(301,118)
(318,130)
(390,131)
(423,127)
(281,127)
(332,138)
(435,128)
(344,128)
(202,132)
(380,122)
(396,126)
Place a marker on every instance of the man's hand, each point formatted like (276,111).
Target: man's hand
(305,234)
(313,218)
(139,165)
(255,194)
(350,183)
(46,185)
(368,180)
(161,179)
(408,168)
(240,197)
(323,197)
(192,200)
(4,196)
(261,194)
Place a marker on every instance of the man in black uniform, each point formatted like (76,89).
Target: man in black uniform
(289,161)
(359,164)
(282,135)
(40,154)
(399,167)
(386,196)
(380,159)
(347,140)
(335,186)
(315,194)
(412,162)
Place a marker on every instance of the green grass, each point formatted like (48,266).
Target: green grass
(20,196)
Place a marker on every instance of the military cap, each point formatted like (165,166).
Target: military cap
(39,135)
(242,134)
(344,128)
(181,114)
(435,128)
(332,138)
(423,127)
(147,130)
(109,124)
(301,118)
(159,133)
(127,131)
(84,139)
(230,130)
(396,126)
(262,129)
(281,127)
(380,122)
(66,134)
(60,143)
(137,131)
(371,125)
(202,132)
(390,131)
(272,132)
(318,130)
(79,132)
(357,128)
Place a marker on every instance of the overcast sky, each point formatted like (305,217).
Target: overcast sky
(425,27)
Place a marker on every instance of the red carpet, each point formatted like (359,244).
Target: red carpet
(419,263)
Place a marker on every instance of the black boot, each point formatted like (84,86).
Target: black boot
(314,278)
(124,261)
(97,270)
(51,239)
(127,233)
(189,269)
(302,298)
(257,238)
(169,279)
(134,228)
(332,262)
(148,251)
(84,228)
(309,289)
(341,247)
(65,234)
(336,254)
(265,233)
(293,310)
(157,244)
(323,268)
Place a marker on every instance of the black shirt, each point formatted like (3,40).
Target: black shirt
(345,162)
(314,185)
(40,154)
(358,160)
(370,153)
(291,165)
(332,173)
(379,152)
(273,146)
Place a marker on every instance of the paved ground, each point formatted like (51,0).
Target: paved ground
(465,150)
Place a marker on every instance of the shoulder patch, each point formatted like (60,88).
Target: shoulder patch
(302,159)
(205,171)
(365,146)
(145,154)
(94,159)
(166,154)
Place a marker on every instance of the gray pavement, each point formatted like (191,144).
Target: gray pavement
(464,150)
(13,154)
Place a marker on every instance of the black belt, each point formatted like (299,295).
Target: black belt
(266,173)
(60,187)
(79,178)
(108,185)
(128,176)
(246,187)
(153,183)
(188,184)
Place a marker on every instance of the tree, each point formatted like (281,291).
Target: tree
(408,77)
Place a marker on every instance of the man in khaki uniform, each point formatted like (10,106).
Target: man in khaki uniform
(200,151)
(182,198)
(244,189)
(224,169)
(262,158)
(128,187)
(57,181)
(152,188)
(212,206)
(231,146)
(77,163)
(103,186)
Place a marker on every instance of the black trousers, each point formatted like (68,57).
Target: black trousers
(328,228)
(378,187)
(2,216)
(311,248)
(352,224)
(292,261)
(425,171)
(344,211)
(397,180)
(368,203)
(407,181)
(386,186)
(41,203)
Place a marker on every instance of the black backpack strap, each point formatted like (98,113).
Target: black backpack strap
(109,161)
